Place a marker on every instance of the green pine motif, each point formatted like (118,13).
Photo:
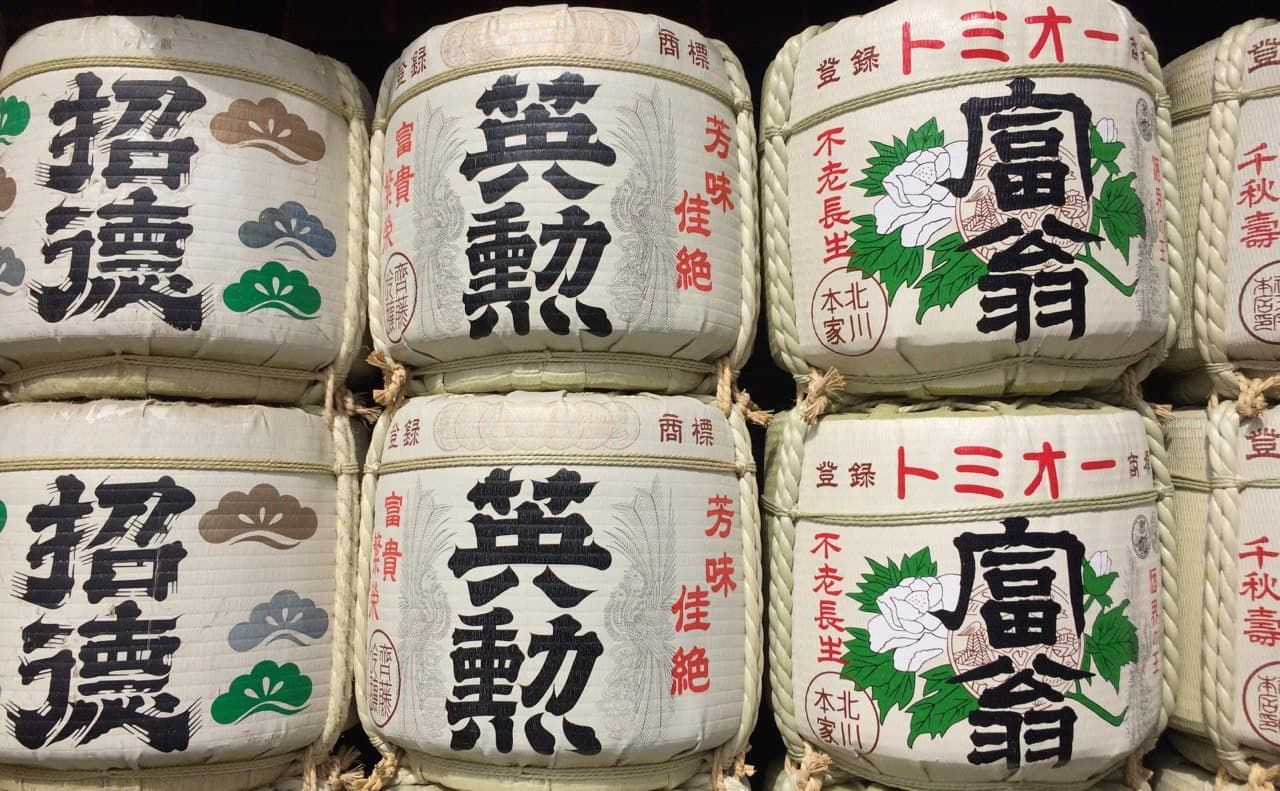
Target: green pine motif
(273,287)
(278,689)
(4,515)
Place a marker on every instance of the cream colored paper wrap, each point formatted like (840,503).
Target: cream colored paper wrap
(969,594)
(176,612)
(564,198)
(1226,472)
(560,591)
(998,180)
(1226,107)
(181,213)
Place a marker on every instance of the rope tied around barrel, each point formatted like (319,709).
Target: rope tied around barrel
(738,770)
(730,397)
(1252,400)
(815,399)
(394,379)
(383,773)
(1261,778)
(338,772)
(1132,397)
(806,776)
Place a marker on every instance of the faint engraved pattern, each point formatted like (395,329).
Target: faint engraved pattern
(425,615)
(439,220)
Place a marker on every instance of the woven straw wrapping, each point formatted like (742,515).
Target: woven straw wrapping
(250,540)
(218,176)
(911,324)
(663,120)
(1225,477)
(799,505)
(645,504)
(1225,107)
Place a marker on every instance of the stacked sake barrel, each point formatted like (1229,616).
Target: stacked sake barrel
(1224,111)
(181,217)
(559,561)
(969,207)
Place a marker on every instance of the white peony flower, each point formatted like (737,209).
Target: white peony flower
(906,624)
(1107,130)
(1101,562)
(914,199)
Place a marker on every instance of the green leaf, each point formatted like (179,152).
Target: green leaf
(871,670)
(1112,643)
(921,564)
(15,114)
(1098,587)
(954,272)
(944,704)
(1104,154)
(889,155)
(4,514)
(883,577)
(872,253)
(1120,210)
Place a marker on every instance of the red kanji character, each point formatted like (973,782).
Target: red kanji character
(400,68)
(698,54)
(377,552)
(1259,552)
(833,331)
(828,139)
(830,649)
(404,175)
(412,432)
(719,190)
(984,53)
(828,581)
(904,471)
(704,432)
(1256,159)
(1266,52)
(829,178)
(719,573)
(837,246)
(404,139)
(1046,460)
(1259,586)
(826,544)
(826,474)
(833,212)
(1262,627)
(668,43)
(393,436)
(391,506)
(374,598)
(862,475)
(1096,465)
(1101,35)
(388,188)
(1258,190)
(865,60)
(720,508)
(691,609)
(718,130)
(690,672)
(390,560)
(693,269)
(831,301)
(418,63)
(670,428)
(1262,443)
(979,469)
(827,619)
(909,44)
(386,231)
(1052,23)
(1260,229)
(827,71)
(694,213)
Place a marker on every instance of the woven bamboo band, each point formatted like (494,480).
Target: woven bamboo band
(954,516)
(1008,362)
(914,89)
(574,61)
(415,763)
(180,64)
(585,459)
(587,358)
(1199,110)
(65,778)
(176,363)
(169,463)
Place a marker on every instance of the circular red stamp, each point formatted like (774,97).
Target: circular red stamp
(384,678)
(1261,702)
(1260,304)
(841,716)
(849,312)
(399,295)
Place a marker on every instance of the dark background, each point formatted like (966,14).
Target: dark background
(370,35)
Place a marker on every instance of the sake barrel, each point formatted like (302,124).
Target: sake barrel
(1226,111)
(968,594)
(181,213)
(1229,718)
(177,614)
(564,199)
(1172,774)
(559,591)
(968,203)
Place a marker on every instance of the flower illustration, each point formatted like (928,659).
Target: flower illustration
(1100,561)
(906,624)
(915,199)
(1107,130)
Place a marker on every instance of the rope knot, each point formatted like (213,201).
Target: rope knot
(383,773)
(1252,400)
(806,776)
(1262,778)
(394,377)
(815,399)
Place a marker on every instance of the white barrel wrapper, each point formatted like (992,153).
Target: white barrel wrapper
(180,212)
(1226,109)
(1226,472)
(927,148)
(918,547)
(561,589)
(568,202)
(170,604)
